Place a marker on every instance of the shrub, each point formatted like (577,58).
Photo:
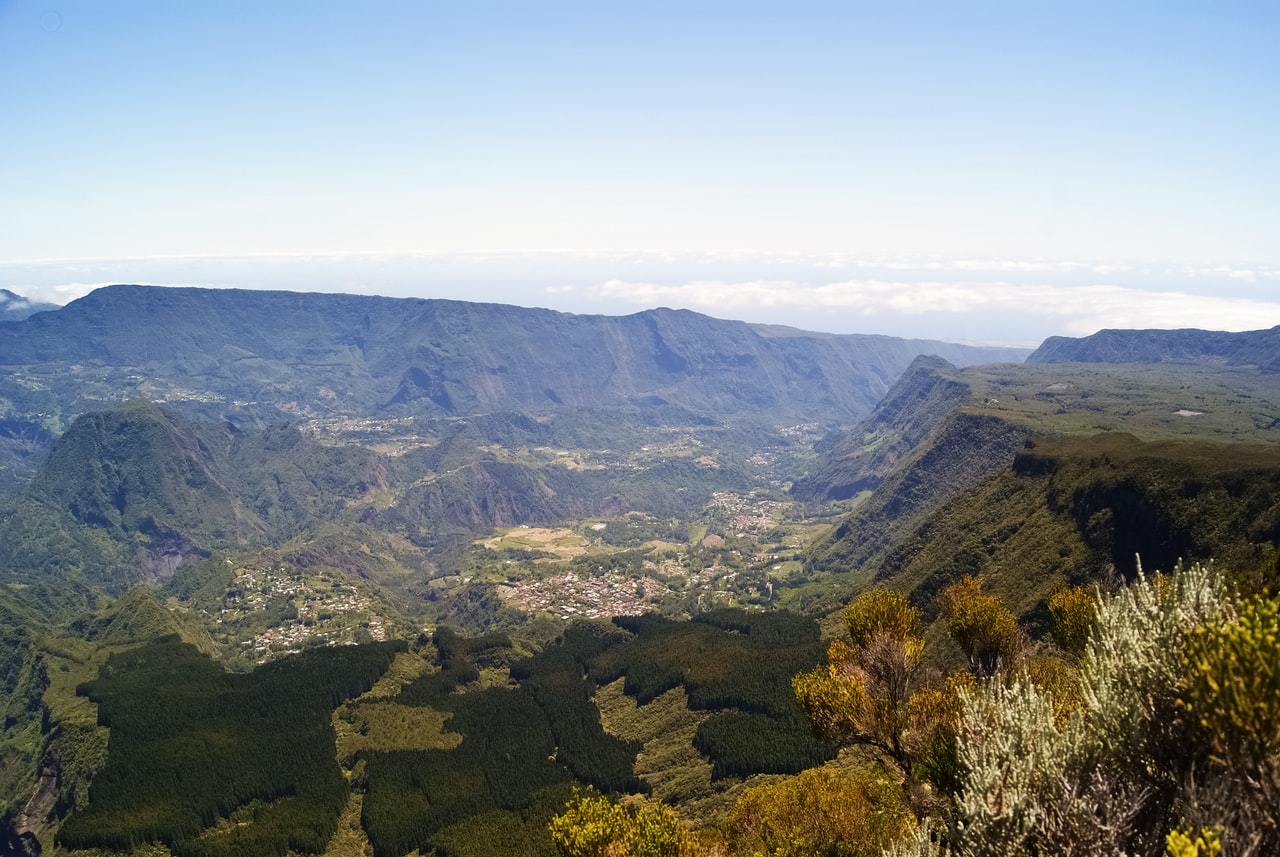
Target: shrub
(1230,696)
(1231,686)
(592,826)
(819,812)
(1121,770)
(981,625)
(1074,613)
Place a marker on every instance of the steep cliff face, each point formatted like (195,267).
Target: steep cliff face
(964,450)
(926,395)
(20,835)
(28,775)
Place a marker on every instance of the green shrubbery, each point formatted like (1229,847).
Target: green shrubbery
(1175,731)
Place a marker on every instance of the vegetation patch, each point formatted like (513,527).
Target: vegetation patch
(191,744)
(556,543)
(726,659)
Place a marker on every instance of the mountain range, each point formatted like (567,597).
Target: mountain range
(324,354)
(202,483)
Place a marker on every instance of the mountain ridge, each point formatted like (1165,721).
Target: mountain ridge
(15,307)
(1259,348)
(1045,475)
(440,357)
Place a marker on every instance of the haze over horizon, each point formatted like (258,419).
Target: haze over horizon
(992,173)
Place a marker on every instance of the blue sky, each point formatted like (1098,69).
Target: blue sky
(978,171)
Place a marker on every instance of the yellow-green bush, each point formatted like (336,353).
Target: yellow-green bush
(1074,613)
(821,811)
(1202,843)
(1231,691)
(981,625)
(593,826)
(880,611)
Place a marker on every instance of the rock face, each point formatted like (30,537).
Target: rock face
(393,356)
(19,831)
(1259,348)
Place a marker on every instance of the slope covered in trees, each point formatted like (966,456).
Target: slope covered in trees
(191,744)
(523,744)
(979,505)
(1050,475)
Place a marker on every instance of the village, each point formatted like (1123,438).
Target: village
(280,611)
(726,562)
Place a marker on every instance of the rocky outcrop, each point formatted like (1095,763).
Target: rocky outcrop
(38,810)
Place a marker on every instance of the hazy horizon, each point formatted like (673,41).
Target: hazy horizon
(992,173)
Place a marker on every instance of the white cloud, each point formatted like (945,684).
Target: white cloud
(902,263)
(1230,272)
(972,299)
(62,293)
(1076,309)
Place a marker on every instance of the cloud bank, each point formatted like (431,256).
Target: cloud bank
(1076,310)
(971,299)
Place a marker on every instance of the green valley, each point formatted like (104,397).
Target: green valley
(388,578)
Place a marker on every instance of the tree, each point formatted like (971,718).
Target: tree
(982,626)
(861,695)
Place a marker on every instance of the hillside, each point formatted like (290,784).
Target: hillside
(422,626)
(16,307)
(327,354)
(1260,348)
(859,460)
(1044,475)
(131,493)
